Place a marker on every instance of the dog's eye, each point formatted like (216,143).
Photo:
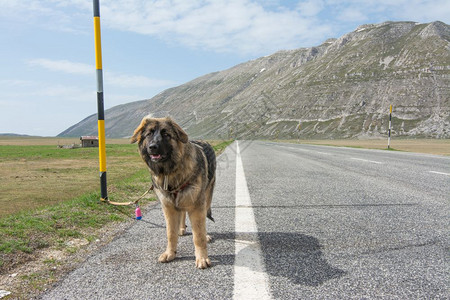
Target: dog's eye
(166,135)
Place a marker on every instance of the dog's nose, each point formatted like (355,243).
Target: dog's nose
(155,141)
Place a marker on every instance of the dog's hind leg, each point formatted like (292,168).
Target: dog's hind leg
(183,226)
(209,195)
(172,217)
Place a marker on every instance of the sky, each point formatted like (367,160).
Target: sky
(47,56)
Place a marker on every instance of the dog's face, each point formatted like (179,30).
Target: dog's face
(160,141)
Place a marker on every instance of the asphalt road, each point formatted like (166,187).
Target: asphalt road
(328,223)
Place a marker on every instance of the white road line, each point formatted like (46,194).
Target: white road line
(250,278)
(324,153)
(366,160)
(440,173)
(306,150)
(300,149)
(294,148)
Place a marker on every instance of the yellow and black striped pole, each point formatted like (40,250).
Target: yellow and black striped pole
(100,107)
(390,125)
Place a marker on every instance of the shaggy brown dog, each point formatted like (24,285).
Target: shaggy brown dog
(183,175)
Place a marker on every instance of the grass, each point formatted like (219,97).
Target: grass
(219,146)
(38,175)
(44,151)
(25,232)
(28,231)
(49,196)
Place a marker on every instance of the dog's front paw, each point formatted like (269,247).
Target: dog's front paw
(166,257)
(202,262)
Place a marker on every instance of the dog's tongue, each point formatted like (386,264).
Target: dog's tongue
(155,156)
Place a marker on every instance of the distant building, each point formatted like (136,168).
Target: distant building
(89,141)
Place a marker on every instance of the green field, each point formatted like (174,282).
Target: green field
(34,176)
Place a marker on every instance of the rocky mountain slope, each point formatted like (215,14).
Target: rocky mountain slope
(340,89)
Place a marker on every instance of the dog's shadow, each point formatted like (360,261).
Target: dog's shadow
(294,256)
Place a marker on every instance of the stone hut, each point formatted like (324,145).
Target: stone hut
(89,141)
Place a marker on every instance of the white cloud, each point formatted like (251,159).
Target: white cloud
(246,27)
(65,93)
(53,15)
(250,27)
(18,91)
(388,10)
(16,82)
(425,11)
(235,26)
(310,7)
(352,14)
(112,78)
(63,66)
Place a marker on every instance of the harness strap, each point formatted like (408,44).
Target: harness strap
(175,192)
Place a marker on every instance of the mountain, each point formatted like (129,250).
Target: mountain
(339,89)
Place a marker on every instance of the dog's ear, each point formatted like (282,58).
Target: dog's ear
(137,135)
(181,135)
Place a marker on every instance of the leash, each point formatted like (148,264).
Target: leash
(127,203)
(138,209)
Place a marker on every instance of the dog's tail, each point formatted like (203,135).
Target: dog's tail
(209,215)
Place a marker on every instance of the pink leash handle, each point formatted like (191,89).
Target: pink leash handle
(138,212)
